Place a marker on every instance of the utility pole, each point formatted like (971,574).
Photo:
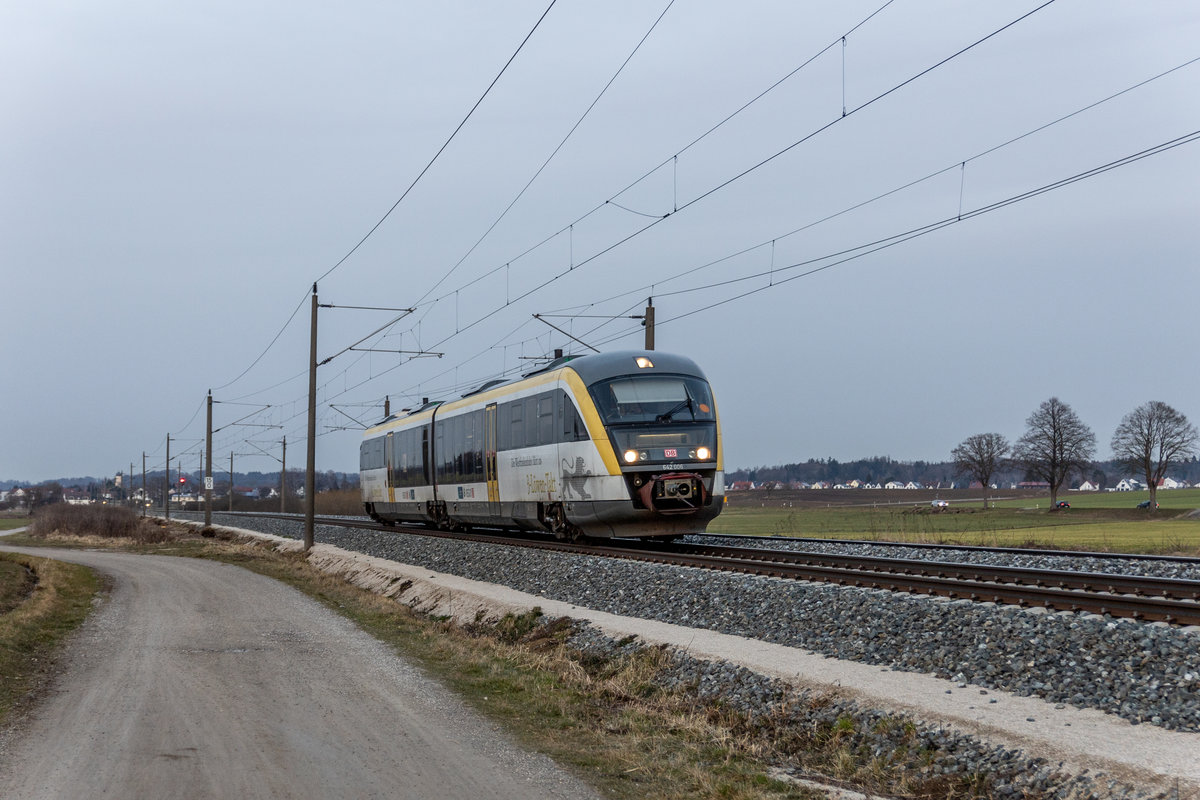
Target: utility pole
(310,476)
(310,481)
(649,323)
(208,481)
(167,482)
(145,497)
(283,479)
(231,480)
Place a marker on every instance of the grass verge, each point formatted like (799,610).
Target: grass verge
(41,602)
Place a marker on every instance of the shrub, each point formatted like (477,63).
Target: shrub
(109,522)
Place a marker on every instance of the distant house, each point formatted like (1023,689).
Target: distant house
(1171,483)
(893,485)
(801,485)
(1032,485)
(1129,485)
(741,486)
(1088,486)
(821,485)
(913,485)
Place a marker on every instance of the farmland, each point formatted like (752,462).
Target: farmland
(1105,521)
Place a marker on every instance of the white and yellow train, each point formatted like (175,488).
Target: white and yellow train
(616,444)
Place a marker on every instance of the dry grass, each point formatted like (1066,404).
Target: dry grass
(104,522)
(342,502)
(44,602)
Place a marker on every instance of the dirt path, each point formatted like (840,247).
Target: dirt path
(203,680)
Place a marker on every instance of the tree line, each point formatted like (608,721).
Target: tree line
(1149,440)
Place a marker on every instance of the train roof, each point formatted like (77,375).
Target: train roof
(599,366)
(590,368)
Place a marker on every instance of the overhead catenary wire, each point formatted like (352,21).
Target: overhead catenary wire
(553,153)
(695,141)
(672,159)
(729,181)
(875,246)
(641,290)
(441,149)
(967,215)
(387,214)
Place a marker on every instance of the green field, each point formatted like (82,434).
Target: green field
(1102,521)
(1181,499)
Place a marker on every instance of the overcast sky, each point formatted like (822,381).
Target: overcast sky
(174,177)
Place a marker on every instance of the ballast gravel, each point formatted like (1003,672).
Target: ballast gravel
(1146,673)
(891,740)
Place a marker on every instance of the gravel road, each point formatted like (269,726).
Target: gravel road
(204,680)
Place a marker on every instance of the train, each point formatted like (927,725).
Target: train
(611,445)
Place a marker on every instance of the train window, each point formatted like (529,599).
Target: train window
(371,454)
(658,398)
(410,457)
(517,430)
(426,462)
(479,444)
(455,449)
(503,426)
(545,418)
(441,448)
(530,414)
(389,444)
(460,448)
(573,429)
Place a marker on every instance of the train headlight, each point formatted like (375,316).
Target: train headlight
(631,456)
(703,453)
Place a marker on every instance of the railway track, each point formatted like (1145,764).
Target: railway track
(1145,598)
(965,548)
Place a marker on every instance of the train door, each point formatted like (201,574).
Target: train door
(390,470)
(491,473)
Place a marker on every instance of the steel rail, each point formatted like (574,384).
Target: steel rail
(1178,588)
(1119,596)
(968,548)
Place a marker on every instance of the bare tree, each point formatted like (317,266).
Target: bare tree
(981,456)
(1150,439)
(1055,442)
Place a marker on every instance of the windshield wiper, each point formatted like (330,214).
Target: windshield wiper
(666,417)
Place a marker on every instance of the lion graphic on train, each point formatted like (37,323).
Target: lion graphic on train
(575,480)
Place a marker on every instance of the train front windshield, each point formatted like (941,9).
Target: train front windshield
(658,418)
